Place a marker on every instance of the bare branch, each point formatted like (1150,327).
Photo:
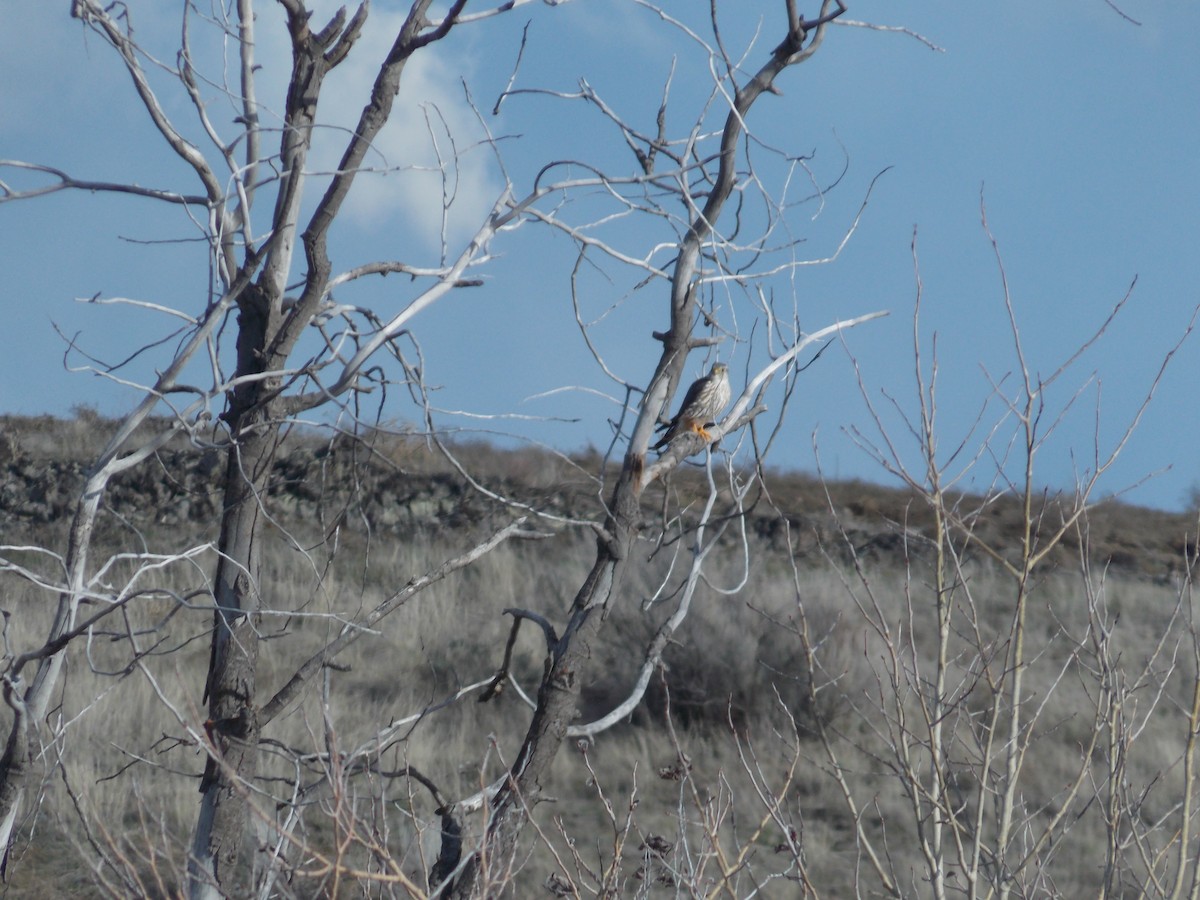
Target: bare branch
(68,182)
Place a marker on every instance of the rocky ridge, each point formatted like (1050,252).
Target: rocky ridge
(393,485)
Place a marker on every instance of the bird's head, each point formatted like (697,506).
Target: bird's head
(719,368)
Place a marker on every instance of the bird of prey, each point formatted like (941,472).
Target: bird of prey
(701,405)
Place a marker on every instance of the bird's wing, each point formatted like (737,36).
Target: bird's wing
(689,398)
(692,395)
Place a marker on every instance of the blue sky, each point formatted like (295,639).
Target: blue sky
(1078,129)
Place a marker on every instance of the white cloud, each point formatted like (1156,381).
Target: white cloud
(432,140)
(429,145)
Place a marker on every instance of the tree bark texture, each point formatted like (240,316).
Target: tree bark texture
(231,688)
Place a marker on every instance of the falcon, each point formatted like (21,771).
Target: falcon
(701,405)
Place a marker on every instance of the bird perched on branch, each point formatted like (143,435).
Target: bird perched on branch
(701,405)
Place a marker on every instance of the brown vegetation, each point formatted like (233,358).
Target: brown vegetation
(739,710)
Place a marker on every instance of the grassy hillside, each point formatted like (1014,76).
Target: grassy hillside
(832,711)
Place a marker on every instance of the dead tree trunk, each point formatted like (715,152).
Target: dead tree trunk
(559,690)
(231,689)
(267,335)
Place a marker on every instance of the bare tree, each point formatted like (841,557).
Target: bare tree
(251,267)
(569,653)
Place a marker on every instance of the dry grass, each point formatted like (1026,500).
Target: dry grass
(738,696)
